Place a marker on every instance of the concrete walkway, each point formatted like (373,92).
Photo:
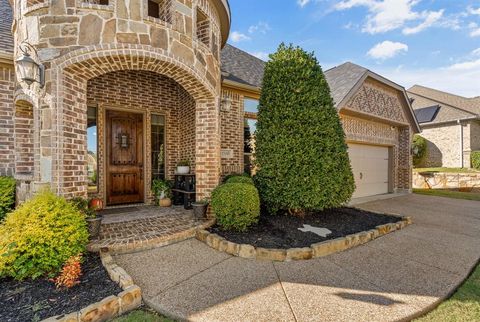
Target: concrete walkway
(393,278)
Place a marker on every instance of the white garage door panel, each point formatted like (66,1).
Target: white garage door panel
(370,169)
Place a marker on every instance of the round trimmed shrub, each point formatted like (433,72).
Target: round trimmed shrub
(240,179)
(419,149)
(300,149)
(40,236)
(7,195)
(236,206)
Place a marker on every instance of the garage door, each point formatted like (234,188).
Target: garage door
(370,169)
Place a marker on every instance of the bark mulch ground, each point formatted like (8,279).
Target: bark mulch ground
(40,299)
(283,232)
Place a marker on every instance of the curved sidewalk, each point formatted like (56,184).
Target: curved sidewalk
(396,277)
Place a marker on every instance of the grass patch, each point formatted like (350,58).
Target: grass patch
(446,170)
(142,315)
(464,305)
(448,194)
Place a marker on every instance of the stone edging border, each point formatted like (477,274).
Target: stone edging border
(111,306)
(321,249)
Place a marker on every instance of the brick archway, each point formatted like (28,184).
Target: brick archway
(69,85)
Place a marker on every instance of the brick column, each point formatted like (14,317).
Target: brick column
(404,159)
(207,146)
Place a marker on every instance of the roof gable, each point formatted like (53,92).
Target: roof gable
(470,105)
(240,67)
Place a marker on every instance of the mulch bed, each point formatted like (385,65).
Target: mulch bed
(282,231)
(39,299)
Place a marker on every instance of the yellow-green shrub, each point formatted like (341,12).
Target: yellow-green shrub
(40,236)
(7,195)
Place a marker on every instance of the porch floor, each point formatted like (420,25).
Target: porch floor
(134,228)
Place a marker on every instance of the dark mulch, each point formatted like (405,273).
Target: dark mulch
(282,231)
(39,299)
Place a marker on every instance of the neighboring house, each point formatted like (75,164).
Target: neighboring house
(450,124)
(136,86)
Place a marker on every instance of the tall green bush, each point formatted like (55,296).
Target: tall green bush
(7,195)
(419,149)
(300,147)
(39,236)
(475,158)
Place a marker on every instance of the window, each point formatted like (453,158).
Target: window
(159,9)
(203,28)
(158,147)
(250,107)
(92,144)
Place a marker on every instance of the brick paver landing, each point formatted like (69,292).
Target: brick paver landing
(144,227)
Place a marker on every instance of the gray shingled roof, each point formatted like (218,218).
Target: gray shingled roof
(452,107)
(6,38)
(242,67)
(342,79)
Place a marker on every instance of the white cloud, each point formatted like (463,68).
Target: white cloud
(238,36)
(475,52)
(387,49)
(474,29)
(432,18)
(460,78)
(303,3)
(473,11)
(261,55)
(261,27)
(386,15)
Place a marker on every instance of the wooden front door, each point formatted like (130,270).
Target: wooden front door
(124,166)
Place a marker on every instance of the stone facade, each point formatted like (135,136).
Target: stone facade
(169,63)
(466,182)
(450,144)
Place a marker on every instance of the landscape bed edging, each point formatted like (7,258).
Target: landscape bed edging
(111,306)
(316,250)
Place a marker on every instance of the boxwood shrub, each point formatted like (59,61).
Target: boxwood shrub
(300,149)
(39,236)
(240,179)
(475,157)
(236,206)
(7,195)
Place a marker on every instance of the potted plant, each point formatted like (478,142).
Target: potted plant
(200,208)
(183,167)
(161,191)
(90,210)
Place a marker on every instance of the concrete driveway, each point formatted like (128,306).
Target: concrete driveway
(396,277)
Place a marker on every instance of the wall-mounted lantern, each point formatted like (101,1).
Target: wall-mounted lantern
(29,71)
(226,104)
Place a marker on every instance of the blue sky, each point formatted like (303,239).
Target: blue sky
(434,43)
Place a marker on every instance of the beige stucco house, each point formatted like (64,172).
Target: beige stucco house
(450,124)
(133,87)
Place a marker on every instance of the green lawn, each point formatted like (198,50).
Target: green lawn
(142,315)
(447,170)
(464,305)
(448,194)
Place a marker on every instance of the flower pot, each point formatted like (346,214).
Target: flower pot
(200,210)
(165,202)
(183,169)
(96,204)
(94,225)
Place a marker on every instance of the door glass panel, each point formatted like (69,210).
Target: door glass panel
(92,161)
(158,147)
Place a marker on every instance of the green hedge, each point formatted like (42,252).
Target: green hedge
(39,236)
(300,149)
(7,195)
(240,179)
(419,148)
(236,206)
(475,158)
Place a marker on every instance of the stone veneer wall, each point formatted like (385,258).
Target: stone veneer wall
(78,41)
(7,88)
(148,93)
(444,145)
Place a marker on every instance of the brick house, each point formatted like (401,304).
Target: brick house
(132,88)
(450,123)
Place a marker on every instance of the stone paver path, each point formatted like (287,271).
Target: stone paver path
(392,278)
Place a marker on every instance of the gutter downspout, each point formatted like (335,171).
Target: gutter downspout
(461,143)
